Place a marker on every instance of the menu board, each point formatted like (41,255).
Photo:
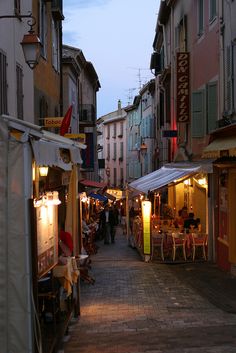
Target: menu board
(47,238)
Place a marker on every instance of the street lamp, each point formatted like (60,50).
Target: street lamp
(31,43)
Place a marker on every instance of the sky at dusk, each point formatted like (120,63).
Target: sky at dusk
(117,37)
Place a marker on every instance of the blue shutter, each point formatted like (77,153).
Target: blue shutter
(198,114)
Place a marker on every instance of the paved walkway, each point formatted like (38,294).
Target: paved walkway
(137,307)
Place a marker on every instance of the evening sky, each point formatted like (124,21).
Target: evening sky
(117,37)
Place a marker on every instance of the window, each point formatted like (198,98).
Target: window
(121,150)
(114,130)
(121,130)
(108,151)
(19,91)
(43,27)
(55,46)
(198,113)
(3,83)
(200,17)
(108,131)
(114,151)
(17,7)
(181,35)
(229,83)
(115,176)
(212,108)
(121,176)
(212,10)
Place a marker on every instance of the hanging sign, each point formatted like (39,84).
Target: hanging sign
(182,89)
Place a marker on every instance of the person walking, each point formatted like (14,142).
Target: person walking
(108,224)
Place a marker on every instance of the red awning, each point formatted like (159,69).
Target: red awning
(91,183)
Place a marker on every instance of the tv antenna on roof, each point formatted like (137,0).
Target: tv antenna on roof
(139,69)
(130,95)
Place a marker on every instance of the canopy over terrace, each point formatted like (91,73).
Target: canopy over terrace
(162,177)
(16,156)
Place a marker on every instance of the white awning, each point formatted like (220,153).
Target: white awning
(219,145)
(47,146)
(161,177)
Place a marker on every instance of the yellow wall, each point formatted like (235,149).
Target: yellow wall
(232,215)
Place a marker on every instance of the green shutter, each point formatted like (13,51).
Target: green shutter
(198,114)
(212,112)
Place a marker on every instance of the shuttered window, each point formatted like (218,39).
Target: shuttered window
(3,83)
(198,114)
(115,176)
(137,170)
(121,150)
(19,91)
(200,17)
(212,10)
(212,107)
(228,102)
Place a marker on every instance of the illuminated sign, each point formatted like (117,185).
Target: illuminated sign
(146,215)
(182,88)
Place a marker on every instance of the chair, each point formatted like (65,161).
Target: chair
(199,240)
(179,242)
(157,242)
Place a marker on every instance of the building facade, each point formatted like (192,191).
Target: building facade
(113,141)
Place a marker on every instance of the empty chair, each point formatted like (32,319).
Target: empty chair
(157,243)
(179,242)
(199,240)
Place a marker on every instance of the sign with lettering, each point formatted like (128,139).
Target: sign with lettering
(52,122)
(169,133)
(182,89)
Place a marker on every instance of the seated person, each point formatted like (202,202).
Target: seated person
(179,221)
(190,221)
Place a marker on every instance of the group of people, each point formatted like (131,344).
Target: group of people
(186,220)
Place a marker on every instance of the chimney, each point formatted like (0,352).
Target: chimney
(119,106)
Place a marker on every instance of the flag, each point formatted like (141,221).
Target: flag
(66,121)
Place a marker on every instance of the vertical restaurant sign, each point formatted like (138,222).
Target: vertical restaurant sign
(146,216)
(182,89)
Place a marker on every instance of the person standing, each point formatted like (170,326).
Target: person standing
(108,224)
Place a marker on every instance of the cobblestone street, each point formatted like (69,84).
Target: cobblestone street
(137,307)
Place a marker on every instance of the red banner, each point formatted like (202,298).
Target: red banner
(182,89)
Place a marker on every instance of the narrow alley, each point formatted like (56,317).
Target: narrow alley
(137,307)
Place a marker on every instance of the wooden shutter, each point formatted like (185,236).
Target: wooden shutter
(198,114)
